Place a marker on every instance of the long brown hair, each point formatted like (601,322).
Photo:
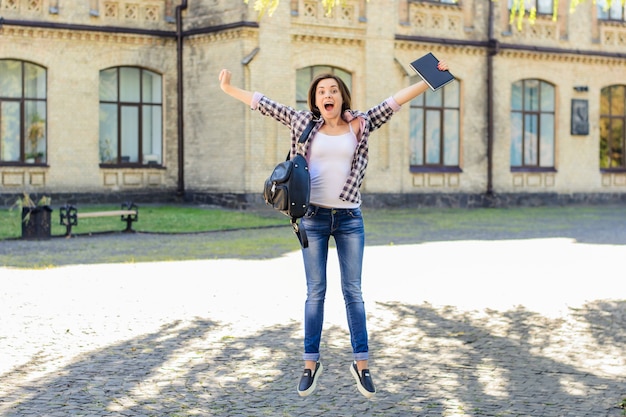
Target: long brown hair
(343,89)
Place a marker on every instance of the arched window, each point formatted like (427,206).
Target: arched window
(304,76)
(532,125)
(435,129)
(23,113)
(131,116)
(613,127)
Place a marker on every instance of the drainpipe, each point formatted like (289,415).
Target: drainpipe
(492,50)
(181,125)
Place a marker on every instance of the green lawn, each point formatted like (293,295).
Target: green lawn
(173,232)
(156,219)
(386,224)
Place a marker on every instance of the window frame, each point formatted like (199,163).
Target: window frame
(122,106)
(27,156)
(421,103)
(535,114)
(620,118)
(605,15)
(529,5)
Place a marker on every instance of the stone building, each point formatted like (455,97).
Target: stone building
(105,100)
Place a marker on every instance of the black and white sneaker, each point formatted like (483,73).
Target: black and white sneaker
(363,381)
(308,382)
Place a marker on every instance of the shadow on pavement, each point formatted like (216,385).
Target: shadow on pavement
(426,362)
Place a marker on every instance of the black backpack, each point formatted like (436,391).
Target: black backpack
(288,188)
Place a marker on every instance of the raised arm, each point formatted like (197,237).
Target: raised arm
(242,95)
(409,93)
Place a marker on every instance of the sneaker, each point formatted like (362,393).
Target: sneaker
(308,382)
(363,381)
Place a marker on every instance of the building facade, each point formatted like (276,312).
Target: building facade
(113,99)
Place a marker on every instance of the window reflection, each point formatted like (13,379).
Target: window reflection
(612,127)
(130,116)
(532,124)
(434,129)
(23,113)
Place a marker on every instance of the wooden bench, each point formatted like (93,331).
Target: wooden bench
(69,216)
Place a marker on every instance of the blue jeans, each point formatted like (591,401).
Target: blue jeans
(346,226)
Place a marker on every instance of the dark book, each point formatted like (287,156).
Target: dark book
(426,67)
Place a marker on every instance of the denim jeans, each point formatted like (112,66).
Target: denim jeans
(346,226)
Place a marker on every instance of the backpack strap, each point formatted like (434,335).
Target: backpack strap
(299,231)
(304,135)
(307,131)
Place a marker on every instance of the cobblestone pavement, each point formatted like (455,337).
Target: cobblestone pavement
(530,327)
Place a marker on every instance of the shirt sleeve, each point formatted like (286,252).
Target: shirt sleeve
(256,97)
(393,104)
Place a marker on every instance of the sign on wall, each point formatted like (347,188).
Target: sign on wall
(580,117)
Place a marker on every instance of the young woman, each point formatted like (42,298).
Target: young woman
(337,154)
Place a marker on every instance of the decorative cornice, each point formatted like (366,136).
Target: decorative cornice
(85,28)
(578,57)
(327,40)
(425,5)
(66,34)
(521,50)
(229,34)
(29,26)
(220,28)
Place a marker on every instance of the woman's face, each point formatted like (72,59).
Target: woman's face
(328,98)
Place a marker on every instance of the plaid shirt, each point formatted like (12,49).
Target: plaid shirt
(298,120)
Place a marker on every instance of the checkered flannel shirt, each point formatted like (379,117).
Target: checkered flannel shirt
(297,121)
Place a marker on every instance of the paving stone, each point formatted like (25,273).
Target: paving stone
(117,340)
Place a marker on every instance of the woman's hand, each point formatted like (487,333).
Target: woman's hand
(233,91)
(409,93)
(225,79)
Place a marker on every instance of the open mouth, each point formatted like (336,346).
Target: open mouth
(329,106)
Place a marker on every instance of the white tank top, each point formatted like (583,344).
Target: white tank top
(329,166)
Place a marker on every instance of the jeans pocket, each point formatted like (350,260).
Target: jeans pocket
(355,213)
(310,213)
